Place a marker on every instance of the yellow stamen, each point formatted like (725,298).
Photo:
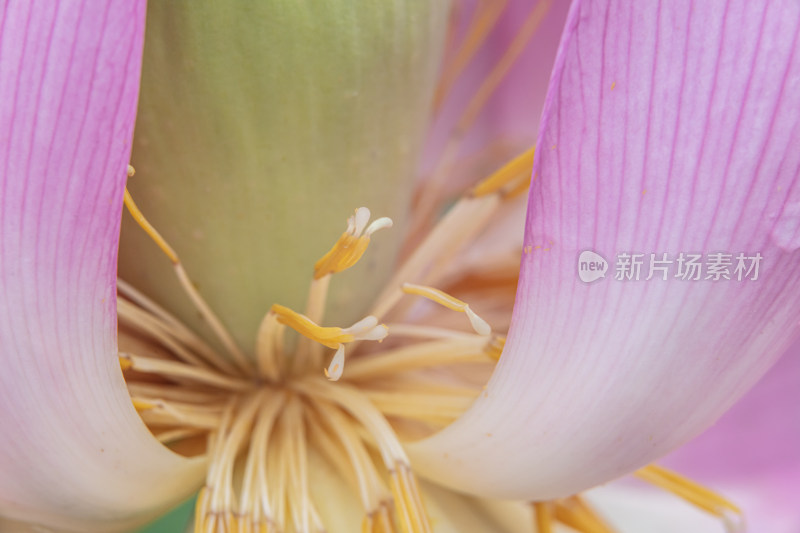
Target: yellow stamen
(419,355)
(172,414)
(176,392)
(330,336)
(575,513)
(198,301)
(136,310)
(351,245)
(442,298)
(411,512)
(494,348)
(143,405)
(125,363)
(435,295)
(495,77)
(417,331)
(483,21)
(336,367)
(432,257)
(269,349)
(178,370)
(426,407)
(342,442)
(432,187)
(137,215)
(690,491)
(518,168)
(543,516)
(174,435)
(234,430)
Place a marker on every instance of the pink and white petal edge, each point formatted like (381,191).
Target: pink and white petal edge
(665,130)
(74,454)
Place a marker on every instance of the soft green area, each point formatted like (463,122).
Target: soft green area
(174,522)
(260,130)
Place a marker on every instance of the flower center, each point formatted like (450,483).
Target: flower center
(259,420)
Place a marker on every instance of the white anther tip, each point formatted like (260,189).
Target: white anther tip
(480,326)
(733,522)
(378,224)
(336,368)
(362,326)
(361,218)
(378,333)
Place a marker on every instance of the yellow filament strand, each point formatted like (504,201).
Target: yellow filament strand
(543,516)
(687,489)
(573,512)
(520,166)
(502,67)
(435,295)
(216,325)
(444,299)
(142,405)
(494,348)
(484,19)
(137,215)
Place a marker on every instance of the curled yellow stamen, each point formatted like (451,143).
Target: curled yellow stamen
(351,245)
(332,337)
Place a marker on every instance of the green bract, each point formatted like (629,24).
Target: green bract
(255,142)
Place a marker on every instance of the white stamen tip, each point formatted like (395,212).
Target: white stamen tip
(361,218)
(377,333)
(336,368)
(362,326)
(733,522)
(377,224)
(351,225)
(480,326)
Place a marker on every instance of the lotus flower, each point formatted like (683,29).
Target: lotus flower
(670,131)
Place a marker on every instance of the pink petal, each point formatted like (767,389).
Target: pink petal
(753,453)
(666,130)
(73,452)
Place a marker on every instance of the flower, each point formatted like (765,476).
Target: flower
(595,381)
